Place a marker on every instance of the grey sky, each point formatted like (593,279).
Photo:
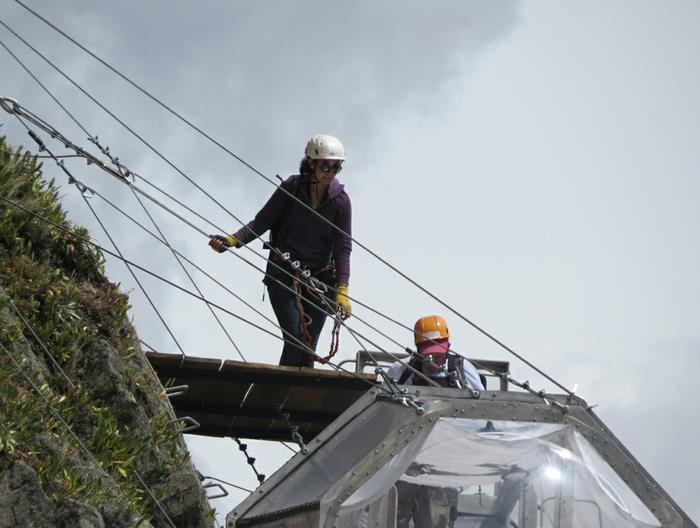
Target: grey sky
(533,164)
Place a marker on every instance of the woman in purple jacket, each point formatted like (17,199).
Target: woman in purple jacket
(316,244)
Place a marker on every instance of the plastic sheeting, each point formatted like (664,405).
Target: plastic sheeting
(478,474)
(318,473)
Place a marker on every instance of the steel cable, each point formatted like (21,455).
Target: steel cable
(269,180)
(120,167)
(80,125)
(177,286)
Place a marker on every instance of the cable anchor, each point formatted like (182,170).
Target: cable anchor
(299,440)
(391,382)
(10,105)
(177,390)
(409,402)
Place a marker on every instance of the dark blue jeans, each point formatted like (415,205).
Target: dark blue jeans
(284,305)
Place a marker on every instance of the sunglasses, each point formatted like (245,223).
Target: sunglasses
(327,167)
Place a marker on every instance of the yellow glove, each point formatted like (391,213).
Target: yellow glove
(341,298)
(220,243)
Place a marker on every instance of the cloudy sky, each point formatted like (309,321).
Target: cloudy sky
(534,164)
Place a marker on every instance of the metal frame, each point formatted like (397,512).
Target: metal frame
(492,405)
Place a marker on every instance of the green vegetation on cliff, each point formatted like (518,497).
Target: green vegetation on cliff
(75,367)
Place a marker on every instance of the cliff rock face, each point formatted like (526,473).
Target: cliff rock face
(87,435)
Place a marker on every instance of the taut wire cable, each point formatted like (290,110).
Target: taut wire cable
(477,327)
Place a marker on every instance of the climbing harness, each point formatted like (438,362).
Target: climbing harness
(308,285)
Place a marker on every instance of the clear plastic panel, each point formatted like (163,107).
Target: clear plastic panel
(478,474)
(321,471)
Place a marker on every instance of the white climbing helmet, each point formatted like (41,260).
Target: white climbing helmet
(324,146)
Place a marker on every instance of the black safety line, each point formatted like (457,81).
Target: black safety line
(243,448)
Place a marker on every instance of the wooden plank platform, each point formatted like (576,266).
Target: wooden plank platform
(245,400)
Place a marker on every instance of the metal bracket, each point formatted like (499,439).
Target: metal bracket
(403,399)
(194,424)
(299,440)
(178,390)
(223,493)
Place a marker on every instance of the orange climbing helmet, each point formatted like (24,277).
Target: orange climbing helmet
(430,328)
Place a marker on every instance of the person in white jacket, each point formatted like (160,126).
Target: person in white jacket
(432,339)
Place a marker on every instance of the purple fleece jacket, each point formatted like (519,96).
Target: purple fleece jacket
(301,232)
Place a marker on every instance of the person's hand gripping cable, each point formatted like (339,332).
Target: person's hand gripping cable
(221,243)
(343,302)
